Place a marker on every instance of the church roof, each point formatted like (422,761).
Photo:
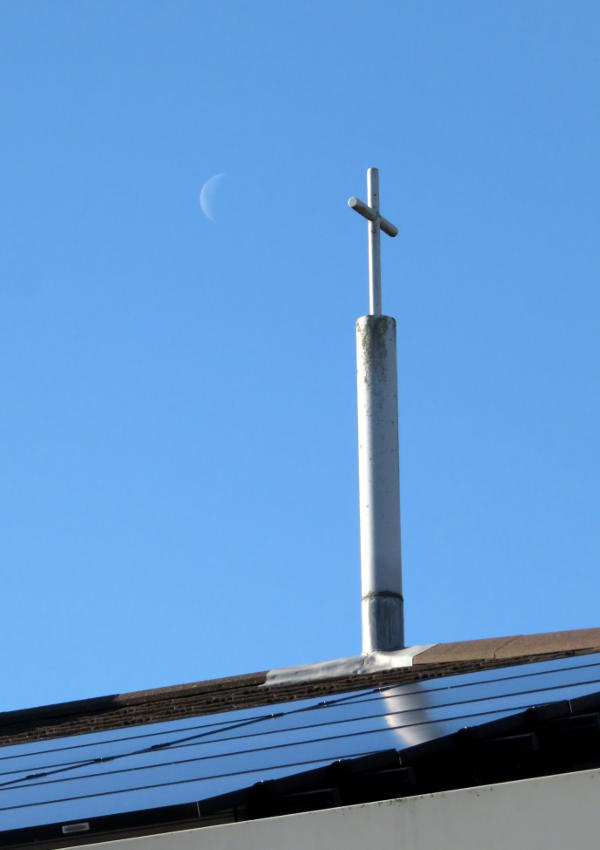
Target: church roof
(393,724)
(249,690)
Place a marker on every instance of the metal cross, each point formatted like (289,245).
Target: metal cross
(376,223)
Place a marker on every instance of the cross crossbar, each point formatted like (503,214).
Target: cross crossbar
(368,212)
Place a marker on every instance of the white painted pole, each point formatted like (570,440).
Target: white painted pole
(379,484)
(378,467)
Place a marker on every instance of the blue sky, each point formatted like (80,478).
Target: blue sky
(178,495)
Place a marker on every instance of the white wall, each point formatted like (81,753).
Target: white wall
(552,813)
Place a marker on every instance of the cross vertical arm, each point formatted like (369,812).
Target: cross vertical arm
(374,243)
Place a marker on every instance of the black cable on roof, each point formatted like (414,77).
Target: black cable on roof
(515,711)
(332,701)
(11,786)
(325,760)
(167,744)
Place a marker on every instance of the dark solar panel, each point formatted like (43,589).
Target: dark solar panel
(186,760)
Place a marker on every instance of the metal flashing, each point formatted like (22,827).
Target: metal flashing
(370,662)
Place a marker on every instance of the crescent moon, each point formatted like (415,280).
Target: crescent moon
(208,192)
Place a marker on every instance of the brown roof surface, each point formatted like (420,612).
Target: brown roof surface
(162,704)
(512,648)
